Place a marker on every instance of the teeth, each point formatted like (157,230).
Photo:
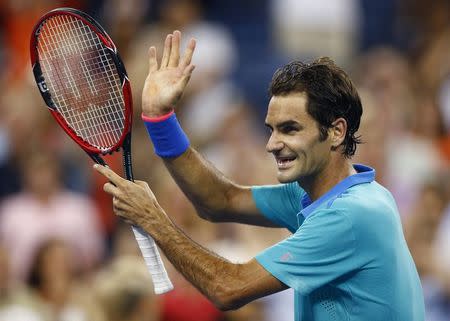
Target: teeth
(284,161)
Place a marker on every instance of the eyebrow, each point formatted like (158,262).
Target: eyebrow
(284,124)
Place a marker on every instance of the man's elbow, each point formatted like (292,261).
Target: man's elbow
(214,216)
(228,299)
(205,214)
(228,306)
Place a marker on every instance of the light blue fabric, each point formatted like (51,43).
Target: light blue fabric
(280,203)
(347,258)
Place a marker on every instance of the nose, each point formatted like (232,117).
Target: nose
(274,144)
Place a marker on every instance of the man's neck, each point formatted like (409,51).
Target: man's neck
(317,185)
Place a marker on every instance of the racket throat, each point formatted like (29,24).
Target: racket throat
(96,158)
(126,147)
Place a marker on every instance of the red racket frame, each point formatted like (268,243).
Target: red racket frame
(40,80)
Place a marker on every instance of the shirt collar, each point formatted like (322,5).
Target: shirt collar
(364,174)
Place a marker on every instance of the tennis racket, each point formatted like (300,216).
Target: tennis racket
(85,86)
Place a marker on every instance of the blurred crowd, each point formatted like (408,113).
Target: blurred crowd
(64,256)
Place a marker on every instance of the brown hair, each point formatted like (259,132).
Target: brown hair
(331,95)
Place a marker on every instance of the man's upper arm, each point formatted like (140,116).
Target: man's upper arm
(268,205)
(243,208)
(323,249)
(279,203)
(216,197)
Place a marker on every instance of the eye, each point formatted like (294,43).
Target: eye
(289,129)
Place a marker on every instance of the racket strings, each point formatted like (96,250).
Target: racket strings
(82,79)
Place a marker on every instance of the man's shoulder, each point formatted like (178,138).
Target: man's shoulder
(367,204)
(364,196)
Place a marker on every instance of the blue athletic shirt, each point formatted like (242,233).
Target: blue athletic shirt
(347,258)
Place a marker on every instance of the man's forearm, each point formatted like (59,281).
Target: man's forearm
(228,285)
(213,275)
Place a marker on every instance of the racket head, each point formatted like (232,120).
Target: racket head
(82,79)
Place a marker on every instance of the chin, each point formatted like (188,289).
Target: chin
(284,178)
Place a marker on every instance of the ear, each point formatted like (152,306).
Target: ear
(337,132)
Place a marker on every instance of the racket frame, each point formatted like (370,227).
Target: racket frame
(125,139)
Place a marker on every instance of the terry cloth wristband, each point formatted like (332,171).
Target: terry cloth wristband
(169,139)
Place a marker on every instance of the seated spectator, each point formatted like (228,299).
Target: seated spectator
(56,293)
(125,291)
(421,234)
(45,210)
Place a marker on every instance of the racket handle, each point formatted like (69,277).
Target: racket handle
(155,265)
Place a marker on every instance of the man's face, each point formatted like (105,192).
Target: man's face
(295,139)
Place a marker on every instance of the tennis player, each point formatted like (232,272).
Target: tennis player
(346,259)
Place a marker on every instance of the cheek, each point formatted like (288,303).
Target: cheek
(316,153)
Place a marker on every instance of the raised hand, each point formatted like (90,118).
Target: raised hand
(165,83)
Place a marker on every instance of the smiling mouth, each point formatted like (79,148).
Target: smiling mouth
(284,162)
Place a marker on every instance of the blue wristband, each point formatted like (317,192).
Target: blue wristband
(169,139)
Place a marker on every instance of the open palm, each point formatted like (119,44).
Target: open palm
(166,82)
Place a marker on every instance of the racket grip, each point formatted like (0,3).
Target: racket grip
(155,265)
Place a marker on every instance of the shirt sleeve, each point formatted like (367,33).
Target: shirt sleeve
(321,250)
(280,203)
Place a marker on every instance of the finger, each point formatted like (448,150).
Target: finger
(125,219)
(111,189)
(120,207)
(152,61)
(115,202)
(118,210)
(188,70)
(175,51)
(188,53)
(122,213)
(187,75)
(109,174)
(166,53)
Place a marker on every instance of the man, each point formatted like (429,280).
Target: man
(347,258)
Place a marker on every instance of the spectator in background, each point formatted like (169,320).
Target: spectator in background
(442,240)
(13,299)
(45,210)
(22,123)
(411,123)
(123,20)
(307,29)
(434,70)
(124,291)
(56,293)
(17,19)
(444,105)
(421,232)
(4,274)
(127,280)
(373,133)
